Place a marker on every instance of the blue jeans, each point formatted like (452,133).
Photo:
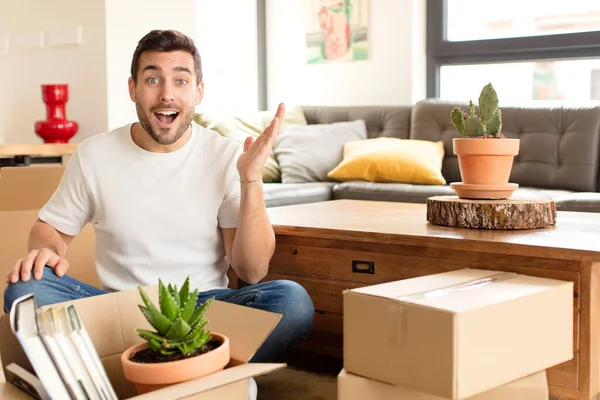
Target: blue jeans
(283,297)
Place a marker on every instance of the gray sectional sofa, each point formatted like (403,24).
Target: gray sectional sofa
(559,155)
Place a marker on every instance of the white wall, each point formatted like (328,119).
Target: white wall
(96,70)
(226,39)
(22,71)
(417,32)
(394,74)
(126,23)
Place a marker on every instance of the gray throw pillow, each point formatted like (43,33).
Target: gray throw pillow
(306,153)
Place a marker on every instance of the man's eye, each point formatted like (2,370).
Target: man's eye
(181,81)
(152,80)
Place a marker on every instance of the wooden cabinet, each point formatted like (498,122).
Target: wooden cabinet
(325,268)
(331,246)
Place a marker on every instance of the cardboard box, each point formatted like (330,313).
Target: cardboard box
(353,387)
(111,320)
(459,333)
(24,188)
(17,224)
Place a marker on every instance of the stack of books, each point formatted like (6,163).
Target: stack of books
(66,363)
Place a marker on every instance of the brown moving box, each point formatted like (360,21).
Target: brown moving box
(24,188)
(111,320)
(353,387)
(13,245)
(459,333)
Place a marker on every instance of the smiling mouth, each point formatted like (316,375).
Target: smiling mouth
(166,117)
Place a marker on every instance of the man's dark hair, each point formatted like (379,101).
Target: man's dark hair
(165,40)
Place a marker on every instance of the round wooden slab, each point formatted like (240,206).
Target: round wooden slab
(512,213)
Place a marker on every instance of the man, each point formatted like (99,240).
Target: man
(167,199)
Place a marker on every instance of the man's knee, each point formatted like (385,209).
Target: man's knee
(296,304)
(291,300)
(15,290)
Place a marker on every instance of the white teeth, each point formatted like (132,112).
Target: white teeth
(166,112)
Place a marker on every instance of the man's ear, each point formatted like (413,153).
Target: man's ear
(199,92)
(131,89)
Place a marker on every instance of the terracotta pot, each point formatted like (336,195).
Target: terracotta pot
(485,166)
(149,377)
(485,161)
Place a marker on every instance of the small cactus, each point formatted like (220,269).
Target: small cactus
(488,103)
(488,124)
(475,127)
(494,125)
(179,321)
(458,120)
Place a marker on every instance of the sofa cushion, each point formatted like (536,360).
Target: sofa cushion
(307,153)
(528,192)
(559,146)
(583,201)
(391,160)
(239,127)
(283,194)
(401,192)
(382,121)
(410,193)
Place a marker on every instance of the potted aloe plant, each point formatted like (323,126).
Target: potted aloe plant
(180,348)
(485,155)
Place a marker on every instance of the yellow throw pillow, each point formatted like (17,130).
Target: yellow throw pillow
(391,160)
(240,127)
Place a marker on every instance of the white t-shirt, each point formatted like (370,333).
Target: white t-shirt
(156,215)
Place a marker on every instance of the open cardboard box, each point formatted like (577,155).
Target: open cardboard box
(459,333)
(111,320)
(353,387)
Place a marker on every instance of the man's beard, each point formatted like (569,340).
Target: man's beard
(185,120)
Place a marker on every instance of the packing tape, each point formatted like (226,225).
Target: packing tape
(397,324)
(397,309)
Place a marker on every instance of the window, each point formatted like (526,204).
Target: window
(476,20)
(232,57)
(529,52)
(521,82)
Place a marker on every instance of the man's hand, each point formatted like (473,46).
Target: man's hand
(37,260)
(252,161)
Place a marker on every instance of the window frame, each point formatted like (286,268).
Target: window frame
(261,39)
(442,52)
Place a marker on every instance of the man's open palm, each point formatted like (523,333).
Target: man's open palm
(252,161)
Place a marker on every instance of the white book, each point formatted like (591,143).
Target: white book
(74,358)
(26,381)
(48,335)
(87,350)
(23,322)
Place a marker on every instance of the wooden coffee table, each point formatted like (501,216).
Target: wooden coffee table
(331,246)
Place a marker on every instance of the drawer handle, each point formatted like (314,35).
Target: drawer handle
(363,267)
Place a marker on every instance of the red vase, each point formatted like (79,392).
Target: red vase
(56,128)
